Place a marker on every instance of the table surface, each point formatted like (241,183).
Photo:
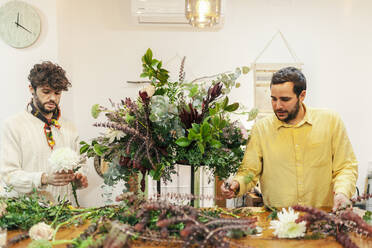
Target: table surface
(264,240)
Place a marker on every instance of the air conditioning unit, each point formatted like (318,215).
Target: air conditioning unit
(164,12)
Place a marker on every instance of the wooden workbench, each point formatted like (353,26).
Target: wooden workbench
(264,240)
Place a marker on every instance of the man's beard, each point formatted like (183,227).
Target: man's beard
(41,107)
(293,114)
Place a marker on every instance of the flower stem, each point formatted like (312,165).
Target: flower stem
(59,211)
(83,215)
(74,187)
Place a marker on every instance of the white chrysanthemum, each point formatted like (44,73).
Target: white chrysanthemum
(41,231)
(113,134)
(64,159)
(286,227)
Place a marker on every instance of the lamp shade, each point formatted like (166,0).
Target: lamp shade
(203,13)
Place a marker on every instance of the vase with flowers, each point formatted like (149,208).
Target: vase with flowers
(170,123)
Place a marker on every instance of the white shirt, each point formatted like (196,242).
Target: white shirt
(24,153)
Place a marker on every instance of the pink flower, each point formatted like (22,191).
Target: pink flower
(244,131)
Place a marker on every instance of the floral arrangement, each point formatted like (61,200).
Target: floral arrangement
(169,123)
(65,159)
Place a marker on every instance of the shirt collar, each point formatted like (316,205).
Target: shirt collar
(307,119)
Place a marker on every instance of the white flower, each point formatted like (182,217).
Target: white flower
(113,134)
(150,90)
(286,227)
(64,159)
(41,231)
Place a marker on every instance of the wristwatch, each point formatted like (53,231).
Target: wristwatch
(44,179)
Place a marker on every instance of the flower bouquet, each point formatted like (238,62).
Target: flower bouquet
(65,159)
(169,123)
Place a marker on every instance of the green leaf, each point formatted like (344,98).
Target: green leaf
(148,56)
(237,85)
(84,149)
(183,141)
(232,107)
(160,92)
(223,123)
(194,91)
(205,129)
(95,111)
(253,114)
(144,75)
(159,64)
(215,143)
(212,111)
(225,102)
(129,118)
(154,62)
(193,135)
(245,69)
(216,121)
(99,149)
(196,127)
(201,147)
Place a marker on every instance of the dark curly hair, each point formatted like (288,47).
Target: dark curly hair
(49,74)
(290,74)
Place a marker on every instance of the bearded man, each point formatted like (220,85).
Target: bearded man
(300,155)
(28,138)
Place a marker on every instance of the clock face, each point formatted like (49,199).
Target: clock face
(20,24)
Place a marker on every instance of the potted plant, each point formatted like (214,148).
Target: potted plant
(170,123)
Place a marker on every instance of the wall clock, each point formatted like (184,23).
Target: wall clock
(20,24)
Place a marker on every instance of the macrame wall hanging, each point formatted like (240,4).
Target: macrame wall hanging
(262,73)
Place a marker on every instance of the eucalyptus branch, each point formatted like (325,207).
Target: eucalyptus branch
(209,77)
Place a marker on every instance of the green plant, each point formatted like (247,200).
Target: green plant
(169,123)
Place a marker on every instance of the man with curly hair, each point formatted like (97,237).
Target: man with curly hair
(28,138)
(300,155)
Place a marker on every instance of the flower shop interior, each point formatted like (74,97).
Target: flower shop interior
(100,45)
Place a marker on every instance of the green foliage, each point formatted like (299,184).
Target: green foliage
(186,122)
(28,210)
(95,111)
(274,212)
(152,69)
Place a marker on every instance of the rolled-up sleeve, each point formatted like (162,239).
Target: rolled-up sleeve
(251,167)
(344,164)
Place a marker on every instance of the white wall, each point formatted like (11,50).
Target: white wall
(15,64)
(100,49)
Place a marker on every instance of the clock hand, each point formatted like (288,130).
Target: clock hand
(23,27)
(17,23)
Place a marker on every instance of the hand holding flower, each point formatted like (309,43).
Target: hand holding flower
(81,180)
(58,178)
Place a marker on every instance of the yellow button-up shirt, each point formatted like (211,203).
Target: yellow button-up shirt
(301,164)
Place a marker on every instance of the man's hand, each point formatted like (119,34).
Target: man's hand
(81,181)
(58,179)
(340,200)
(230,189)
